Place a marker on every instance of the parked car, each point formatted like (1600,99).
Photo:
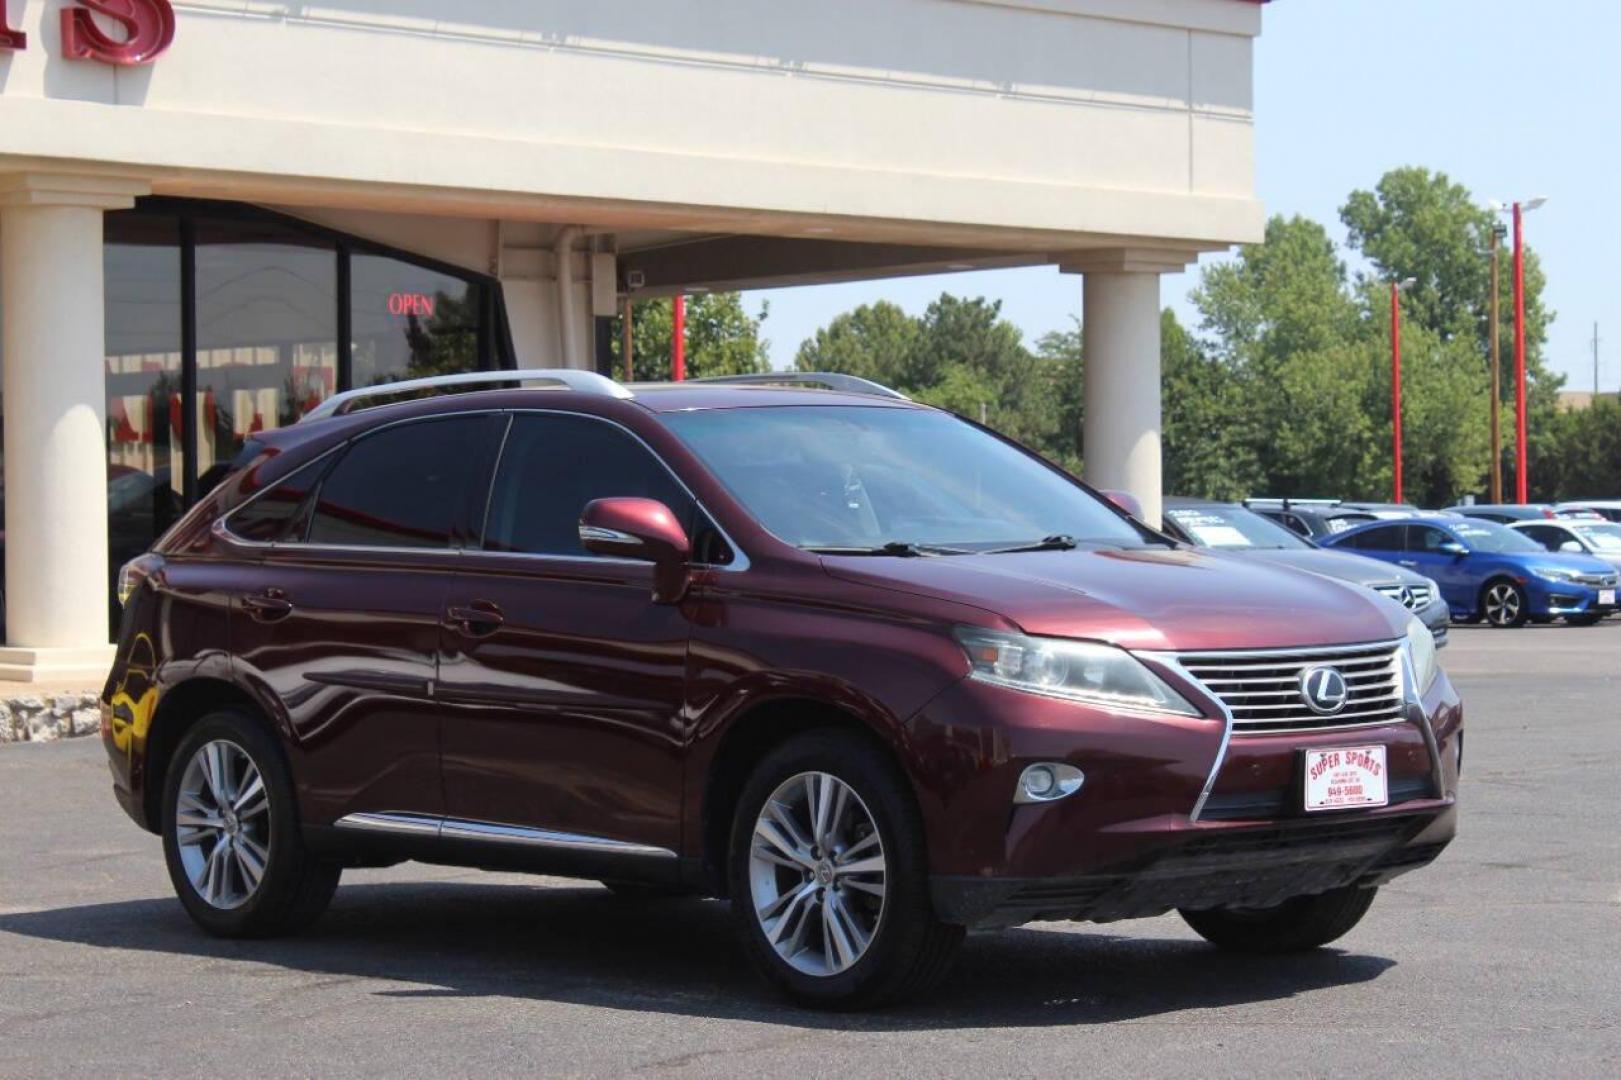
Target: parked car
(1509,513)
(1489,571)
(1235,530)
(1609,509)
(871,671)
(1600,539)
(1309,519)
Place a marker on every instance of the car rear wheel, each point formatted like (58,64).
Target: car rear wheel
(1504,604)
(1305,922)
(828,877)
(231,836)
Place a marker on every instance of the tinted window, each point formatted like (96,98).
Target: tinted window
(410,322)
(1545,535)
(1489,536)
(1428,538)
(1388,538)
(552,466)
(279,513)
(404,486)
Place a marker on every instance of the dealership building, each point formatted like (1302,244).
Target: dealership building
(216,213)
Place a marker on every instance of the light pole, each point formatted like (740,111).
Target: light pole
(1520,208)
(1396,288)
(678,338)
(1499,231)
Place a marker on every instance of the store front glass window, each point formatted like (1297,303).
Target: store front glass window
(411,322)
(267,334)
(145,473)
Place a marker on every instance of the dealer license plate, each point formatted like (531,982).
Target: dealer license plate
(1606,597)
(1346,777)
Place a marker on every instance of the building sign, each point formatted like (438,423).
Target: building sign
(141,30)
(410,303)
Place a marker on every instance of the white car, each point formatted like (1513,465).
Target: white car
(1610,508)
(1577,536)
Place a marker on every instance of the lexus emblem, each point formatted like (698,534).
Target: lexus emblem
(1324,690)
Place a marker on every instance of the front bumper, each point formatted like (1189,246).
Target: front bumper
(1126,845)
(1558,598)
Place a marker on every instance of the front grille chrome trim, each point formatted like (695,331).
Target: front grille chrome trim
(1259,688)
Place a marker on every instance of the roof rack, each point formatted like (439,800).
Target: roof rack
(582,382)
(830,380)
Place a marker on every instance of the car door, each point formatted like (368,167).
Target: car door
(562,682)
(1450,570)
(339,618)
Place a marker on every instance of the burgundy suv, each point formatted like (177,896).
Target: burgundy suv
(868,669)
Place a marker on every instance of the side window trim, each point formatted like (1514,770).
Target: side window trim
(739,561)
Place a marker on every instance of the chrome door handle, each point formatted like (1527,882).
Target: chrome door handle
(1406,562)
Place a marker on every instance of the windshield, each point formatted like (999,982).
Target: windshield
(865,477)
(1233,527)
(1490,536)
(1603,537)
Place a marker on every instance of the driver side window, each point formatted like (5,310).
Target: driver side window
(1429,539)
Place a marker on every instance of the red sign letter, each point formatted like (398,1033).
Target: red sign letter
(148,27)
(9,38)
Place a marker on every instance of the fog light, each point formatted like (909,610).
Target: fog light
(1048,782)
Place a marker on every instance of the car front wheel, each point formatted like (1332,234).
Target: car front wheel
(1505,604)
(828,877)
(1305,922)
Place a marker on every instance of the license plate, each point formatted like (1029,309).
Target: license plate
(1346,777)
(1606,597)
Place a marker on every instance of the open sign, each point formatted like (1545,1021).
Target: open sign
(410,303)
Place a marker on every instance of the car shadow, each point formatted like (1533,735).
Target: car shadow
(586,946)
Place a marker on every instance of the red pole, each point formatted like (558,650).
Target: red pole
(678,340)
(1519,360)
(1395,379)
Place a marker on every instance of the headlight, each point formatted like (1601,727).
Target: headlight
(1421,652)
(1081,671)
(1556,573)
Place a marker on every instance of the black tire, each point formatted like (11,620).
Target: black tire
(1305,922)
(295,887)
(1590,618)
(1513,596)
(910,950)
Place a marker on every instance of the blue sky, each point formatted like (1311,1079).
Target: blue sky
(1512,98)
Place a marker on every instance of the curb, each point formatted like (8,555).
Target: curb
(36,718)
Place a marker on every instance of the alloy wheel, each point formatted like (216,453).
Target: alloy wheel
(817,874)
(1502,604)
(222,824)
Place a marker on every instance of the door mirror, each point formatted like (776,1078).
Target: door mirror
(1452,547)
(642,529)
(1571,547)
(1126,501)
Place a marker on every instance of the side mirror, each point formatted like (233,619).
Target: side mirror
(645,530)
(1126,501)
(1571,547)
(1452,547)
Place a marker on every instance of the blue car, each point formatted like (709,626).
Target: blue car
(1487,571)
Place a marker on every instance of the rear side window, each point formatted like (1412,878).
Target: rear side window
(552,466)
(1546,535)
(1388,538)
(403,487)
(279,513)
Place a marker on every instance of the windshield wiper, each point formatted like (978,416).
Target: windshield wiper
(900,548)
(1059,542)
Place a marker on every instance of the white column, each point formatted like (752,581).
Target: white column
(51,300)
(1121,433)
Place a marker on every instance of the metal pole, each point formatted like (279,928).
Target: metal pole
(1395,381)
(1520,485)
(678,340)
(627,339)
(1497,380)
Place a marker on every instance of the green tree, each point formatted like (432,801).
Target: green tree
(874,341)
(1208,429)
(1584,457)
(722,338)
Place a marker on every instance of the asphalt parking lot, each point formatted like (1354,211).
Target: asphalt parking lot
(1499,960)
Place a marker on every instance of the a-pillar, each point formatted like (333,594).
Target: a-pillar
(1120,339)
(54,347)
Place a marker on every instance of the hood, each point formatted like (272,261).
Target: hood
(1145,599)
(1586,564)
(1357,569)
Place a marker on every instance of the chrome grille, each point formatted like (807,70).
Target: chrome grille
(1412,597)
(1262,689)
(1601,581)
